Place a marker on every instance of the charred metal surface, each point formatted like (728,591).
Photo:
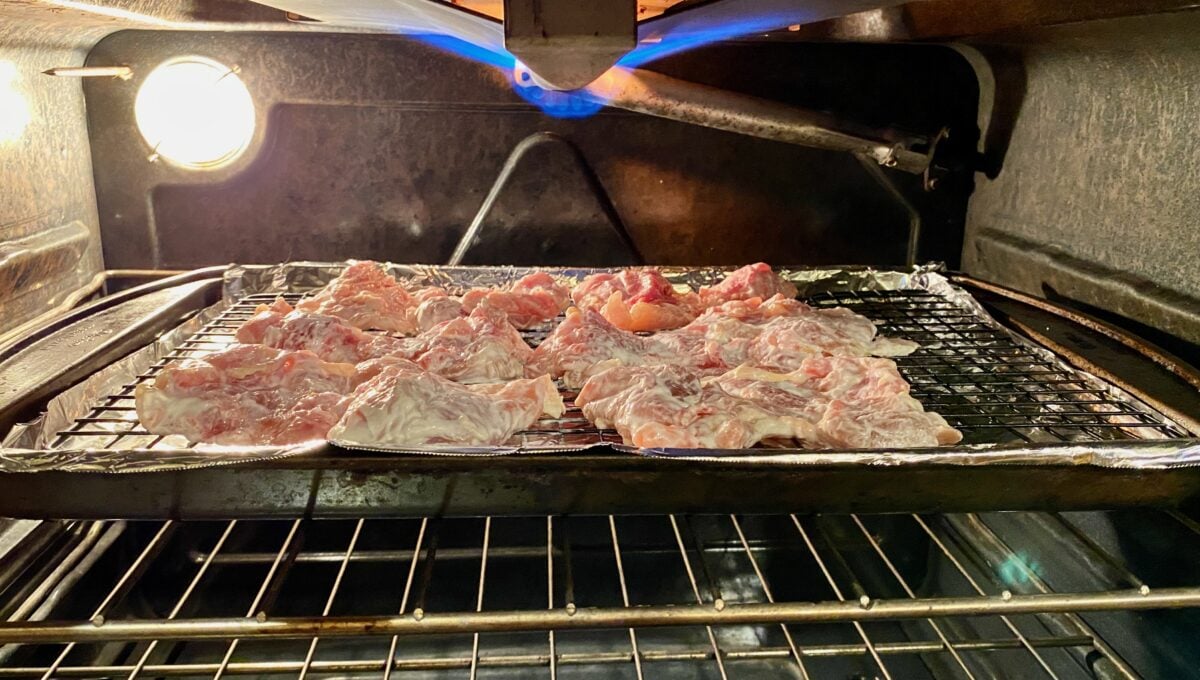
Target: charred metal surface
(1122,359)
(345,484)
(385,148)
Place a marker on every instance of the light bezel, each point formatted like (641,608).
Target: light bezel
(144,126)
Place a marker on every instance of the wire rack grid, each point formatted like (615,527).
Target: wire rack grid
(986,383)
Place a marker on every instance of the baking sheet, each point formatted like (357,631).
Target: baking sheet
(31,447)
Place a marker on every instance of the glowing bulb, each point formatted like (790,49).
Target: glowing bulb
(14,110)
(195,112)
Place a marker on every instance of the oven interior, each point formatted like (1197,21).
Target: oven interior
(1066,171)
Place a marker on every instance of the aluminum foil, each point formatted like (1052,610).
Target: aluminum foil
(29,447)
(302,277)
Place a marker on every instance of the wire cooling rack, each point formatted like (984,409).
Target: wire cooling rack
(986,383)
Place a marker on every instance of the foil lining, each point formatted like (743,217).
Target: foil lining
(30,446)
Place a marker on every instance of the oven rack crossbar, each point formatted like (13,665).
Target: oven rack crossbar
(587,618)
(698,654)
(983,381)
(1008,588)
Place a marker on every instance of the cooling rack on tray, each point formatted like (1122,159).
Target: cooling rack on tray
(986,383)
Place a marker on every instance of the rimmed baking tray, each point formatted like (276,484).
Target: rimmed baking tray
(1037,432)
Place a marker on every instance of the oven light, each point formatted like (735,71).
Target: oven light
(14,110)
(195,112)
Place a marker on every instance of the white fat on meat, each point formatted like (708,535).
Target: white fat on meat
(780,332)
(367,297)
(400,407)
(280,326)
(829,402)
(776,333)
(482,347)
(854,402)
(246,394)
(674,407)
(586,343)
(436,309)
(528,302)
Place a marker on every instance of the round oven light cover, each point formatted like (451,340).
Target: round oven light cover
(195,112)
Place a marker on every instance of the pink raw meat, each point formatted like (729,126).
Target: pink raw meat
(779,333)
(752,281)
(838,402)
(529,302)
(776,333)
(329,337)
(585,343)
(855,402)
(673,407)
(400,407)
(367,297)
(636,300)
(482,347)
(435,309)
(246,394)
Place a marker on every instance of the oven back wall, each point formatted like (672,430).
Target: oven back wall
(385,147)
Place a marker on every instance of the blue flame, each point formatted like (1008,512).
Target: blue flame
(697,34)
(556,103)
(573,104)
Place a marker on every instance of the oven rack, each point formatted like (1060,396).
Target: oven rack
(992,387)
(715,596)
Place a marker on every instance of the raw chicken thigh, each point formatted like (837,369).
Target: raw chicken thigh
(528,302)
(246,394)
(367,297)
(636,300)
(402,407)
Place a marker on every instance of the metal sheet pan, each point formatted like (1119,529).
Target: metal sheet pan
(34,447)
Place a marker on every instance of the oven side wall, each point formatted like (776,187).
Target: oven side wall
(49,229)
(1096,198)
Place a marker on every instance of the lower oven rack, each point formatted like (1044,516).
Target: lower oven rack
(910,596)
